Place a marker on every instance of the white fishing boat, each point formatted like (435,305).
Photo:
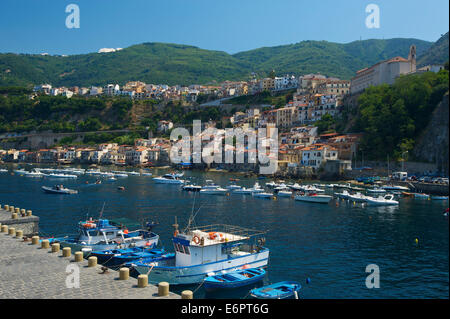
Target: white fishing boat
(314,198)
(263,195)
(168,179)
(206,251)
(387,200)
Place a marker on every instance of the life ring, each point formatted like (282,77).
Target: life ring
(196,239)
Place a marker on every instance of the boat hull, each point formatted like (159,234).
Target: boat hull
(197,273)
(314,199)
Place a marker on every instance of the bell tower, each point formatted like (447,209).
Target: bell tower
(412,58)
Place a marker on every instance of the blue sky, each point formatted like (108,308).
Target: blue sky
(36,26)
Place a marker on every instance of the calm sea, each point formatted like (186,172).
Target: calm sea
(330,245)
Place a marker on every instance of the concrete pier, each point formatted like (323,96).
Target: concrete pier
(31,272)
(28,224)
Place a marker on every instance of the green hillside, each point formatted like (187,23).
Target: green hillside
(436,54)
(183,64)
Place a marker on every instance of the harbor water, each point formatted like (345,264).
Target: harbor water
(326,247)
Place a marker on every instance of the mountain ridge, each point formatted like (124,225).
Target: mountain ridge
(171,63)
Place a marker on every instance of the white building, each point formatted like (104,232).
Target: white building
(317,154)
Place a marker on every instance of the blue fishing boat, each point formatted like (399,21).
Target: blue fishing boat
(118,257)
(98,235)
(234,279)
(279,290)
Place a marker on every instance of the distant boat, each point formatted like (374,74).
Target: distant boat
(377,190)
(234,279)
(439,197)
(280,290)
(421,196)
(168,179)
(233,187)
(214,191)
(34,174)
(2,170)
(395,188)
(146,174)
(284,194)
(59,189)
(192,188)
(387,200)
(263,195)
(314,198)
(55,175)
(358,198)
(133,173)
(344,195)
(117,257)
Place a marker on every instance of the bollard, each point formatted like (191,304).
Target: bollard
(124,273)
(28,212)
(17,210)
(22,212)
(4,228)
(78,256)
(0,206)
(34,240)
(19,233)
(14,216)
(6,207)
(11,209)
(142,281)
(12,231)
(92,261)
(45,243)
(66,252)
(187,294)
(55,247)
(163,289)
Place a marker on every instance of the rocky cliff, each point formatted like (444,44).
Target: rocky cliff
(432,146)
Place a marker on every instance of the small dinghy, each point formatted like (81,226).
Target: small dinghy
(118,257)
(280,290)
(234,279)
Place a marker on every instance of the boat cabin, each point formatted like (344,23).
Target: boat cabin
(94,231)
(214,243)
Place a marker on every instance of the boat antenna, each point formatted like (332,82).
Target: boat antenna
(101,212)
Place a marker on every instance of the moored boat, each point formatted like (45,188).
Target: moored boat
(435,197)
(234,279)
(279,290)
(58,189)
(168,179)
(206,251)
(117,257)
(314,198)
(387,200)
(263,195)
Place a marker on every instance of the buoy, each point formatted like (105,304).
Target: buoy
(308,280)
(417,240)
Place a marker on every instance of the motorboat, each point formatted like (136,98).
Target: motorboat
(257,188)
(243,191)
(34,174)
(20,171)
(285,193)
(233,187)
(168,179)
(279,290)
(192,188)
(313,198)
(134,173)
(234,279)
(120,175)
(2,170)
(376,190)
(272,184)
(146,174)
(344,195)
(56,175)
(58,189)
(439,197)
(358,198)
(262,195)
(214,191)
(394,188)
(296,187)
(387,200)
(421,196)
(312,189)
(206,251)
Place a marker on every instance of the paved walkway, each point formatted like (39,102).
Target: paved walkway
(28,271)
